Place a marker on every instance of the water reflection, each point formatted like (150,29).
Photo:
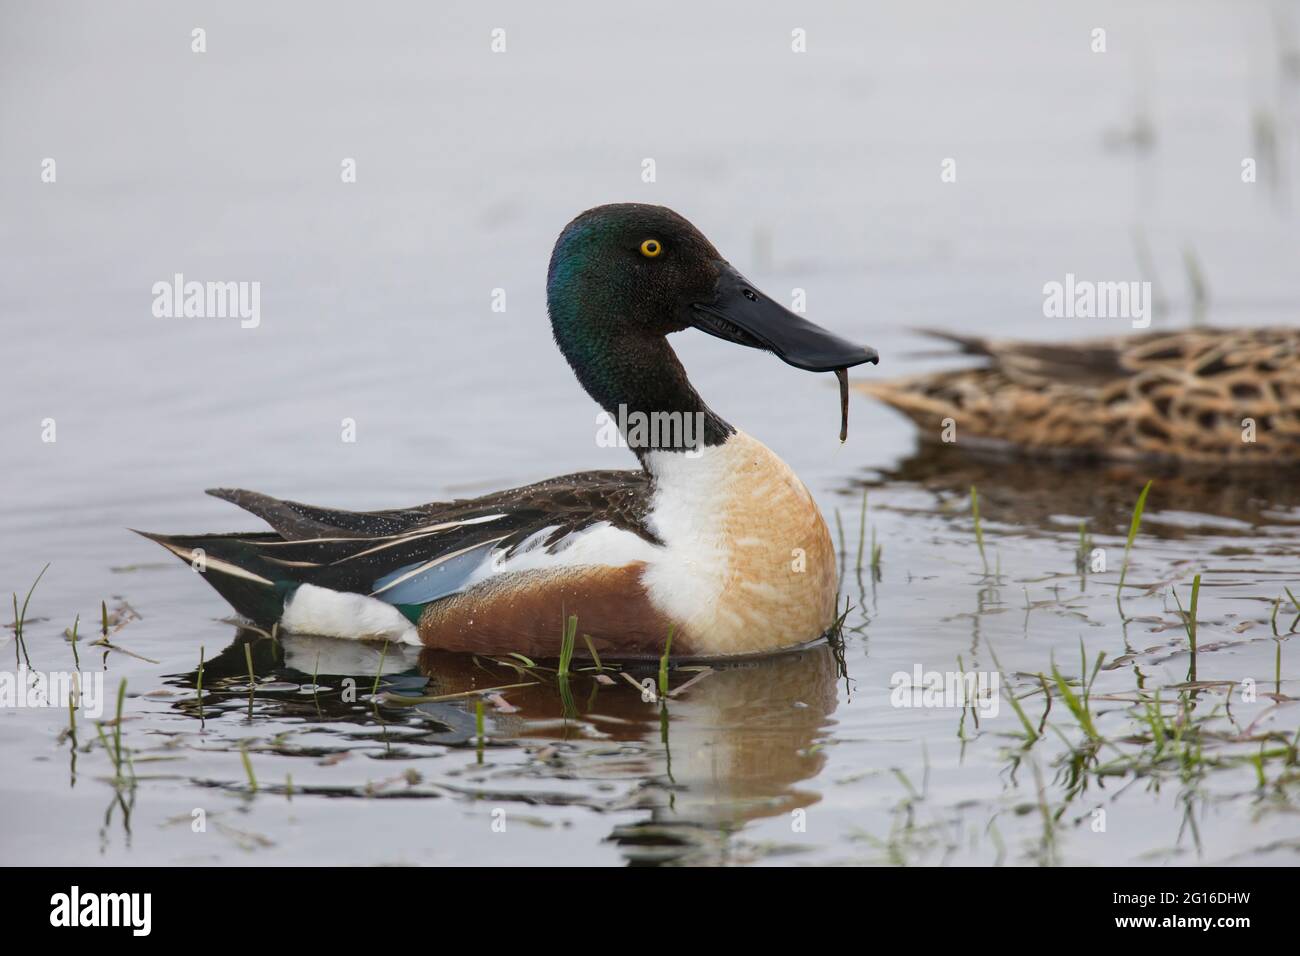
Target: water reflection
(1041,493)
(733,747)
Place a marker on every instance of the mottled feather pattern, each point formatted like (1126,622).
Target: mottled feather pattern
(1186,396)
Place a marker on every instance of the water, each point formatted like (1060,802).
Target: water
(817,171)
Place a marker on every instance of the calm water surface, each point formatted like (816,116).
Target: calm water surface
(817,171)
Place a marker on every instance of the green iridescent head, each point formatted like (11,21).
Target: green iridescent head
(622,277)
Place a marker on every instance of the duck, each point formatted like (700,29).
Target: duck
(712,548)
(1188,398)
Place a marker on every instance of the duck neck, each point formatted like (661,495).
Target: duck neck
(641,384)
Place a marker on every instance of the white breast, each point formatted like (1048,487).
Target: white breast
(747,565)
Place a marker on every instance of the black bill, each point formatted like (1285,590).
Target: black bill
(739,313)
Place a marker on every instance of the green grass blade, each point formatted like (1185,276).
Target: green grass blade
(1133,526)
(663,662)
(979,530)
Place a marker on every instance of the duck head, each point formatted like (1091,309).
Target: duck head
(624,276)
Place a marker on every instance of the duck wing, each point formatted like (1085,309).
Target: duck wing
(407,557)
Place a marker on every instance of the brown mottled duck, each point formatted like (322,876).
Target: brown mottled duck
(1198,396)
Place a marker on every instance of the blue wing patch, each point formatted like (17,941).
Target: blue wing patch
(424,582)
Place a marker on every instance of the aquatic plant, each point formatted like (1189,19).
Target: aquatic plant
(568,637)
(663,663)
(979,531)
(20,618)
(1134,524)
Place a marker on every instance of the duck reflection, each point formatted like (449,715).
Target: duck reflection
(736,749)
(1041,493)
(732,747)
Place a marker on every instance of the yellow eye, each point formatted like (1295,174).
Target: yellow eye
(651,248)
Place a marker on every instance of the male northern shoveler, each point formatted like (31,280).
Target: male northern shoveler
(714,538)
(1202,396)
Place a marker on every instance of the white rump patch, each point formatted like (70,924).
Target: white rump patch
(320,611)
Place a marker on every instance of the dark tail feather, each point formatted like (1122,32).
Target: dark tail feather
(291,519)
(969,344)
(296,521)
(1036,363)
(252,585)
